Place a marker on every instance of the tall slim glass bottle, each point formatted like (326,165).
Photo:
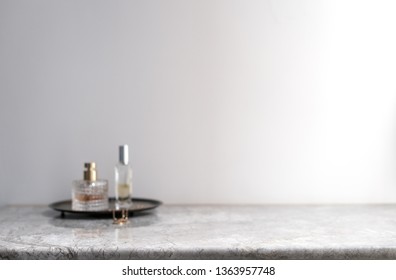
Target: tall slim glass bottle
(123,179)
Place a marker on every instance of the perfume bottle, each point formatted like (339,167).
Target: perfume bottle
(90,194)
(123,179)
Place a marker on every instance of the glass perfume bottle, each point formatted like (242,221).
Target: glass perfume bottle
(90,194)
(123,179)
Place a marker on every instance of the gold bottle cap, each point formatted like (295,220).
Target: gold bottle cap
(90,171)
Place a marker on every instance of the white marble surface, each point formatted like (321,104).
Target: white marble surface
(204,232)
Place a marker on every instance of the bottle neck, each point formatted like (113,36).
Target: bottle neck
(123,163)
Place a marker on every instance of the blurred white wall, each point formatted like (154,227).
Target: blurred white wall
(220,101)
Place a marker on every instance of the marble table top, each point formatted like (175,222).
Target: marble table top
(204,232)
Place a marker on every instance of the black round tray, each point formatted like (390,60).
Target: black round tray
(138,205)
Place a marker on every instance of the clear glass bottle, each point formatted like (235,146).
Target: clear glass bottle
(90,194)
(123,179)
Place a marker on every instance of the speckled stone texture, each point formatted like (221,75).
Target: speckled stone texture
(204,232)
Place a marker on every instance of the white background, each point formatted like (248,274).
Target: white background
(284,269)
(220,101)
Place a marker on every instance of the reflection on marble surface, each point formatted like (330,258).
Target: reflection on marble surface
(204,232)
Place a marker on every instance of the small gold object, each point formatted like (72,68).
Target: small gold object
(90,171)
(124,217)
